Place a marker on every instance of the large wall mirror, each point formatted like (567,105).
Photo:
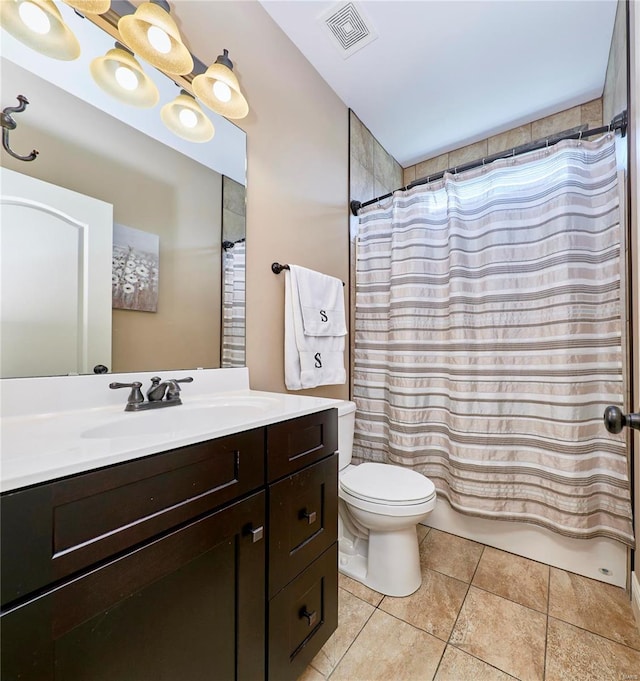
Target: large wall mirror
(159,196)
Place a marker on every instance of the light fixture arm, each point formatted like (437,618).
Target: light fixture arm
(162,3)
(8,124)
(224,59)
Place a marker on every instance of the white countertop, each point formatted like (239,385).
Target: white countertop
(45,445)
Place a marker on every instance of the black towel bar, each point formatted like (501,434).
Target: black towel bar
(276,268)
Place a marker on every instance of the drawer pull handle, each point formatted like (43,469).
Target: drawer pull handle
(309,515)
(312,617)
(256,533)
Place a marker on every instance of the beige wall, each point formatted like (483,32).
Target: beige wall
(297,187)
(152,188)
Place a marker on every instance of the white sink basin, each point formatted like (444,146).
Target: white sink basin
(199,416)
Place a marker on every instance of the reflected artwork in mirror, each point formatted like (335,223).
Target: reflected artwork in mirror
(115,163)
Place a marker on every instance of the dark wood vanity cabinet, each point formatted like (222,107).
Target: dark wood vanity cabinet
(158,568)
(302,469)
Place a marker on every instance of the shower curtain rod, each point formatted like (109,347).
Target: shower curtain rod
(230,244)
(618,122)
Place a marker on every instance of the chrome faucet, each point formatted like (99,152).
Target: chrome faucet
(160,394)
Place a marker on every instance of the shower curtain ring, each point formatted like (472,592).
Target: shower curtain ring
(580,139)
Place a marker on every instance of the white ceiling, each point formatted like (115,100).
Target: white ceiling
(445,73)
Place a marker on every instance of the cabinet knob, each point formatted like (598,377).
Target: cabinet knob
(309,515)
(257,533)
(312,617)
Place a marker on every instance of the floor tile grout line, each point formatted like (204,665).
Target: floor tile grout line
(352,642)
(466,593)
(506,598)
(594,633)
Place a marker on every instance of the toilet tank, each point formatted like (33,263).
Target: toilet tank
(346,421)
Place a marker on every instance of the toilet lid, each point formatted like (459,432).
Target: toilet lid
(388,484)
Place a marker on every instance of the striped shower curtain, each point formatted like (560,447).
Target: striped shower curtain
(233,306)
(488,339)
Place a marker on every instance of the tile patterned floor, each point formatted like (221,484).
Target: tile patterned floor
(482,615)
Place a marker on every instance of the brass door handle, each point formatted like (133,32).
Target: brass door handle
(615,420)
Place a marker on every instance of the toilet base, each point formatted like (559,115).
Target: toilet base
(387,562)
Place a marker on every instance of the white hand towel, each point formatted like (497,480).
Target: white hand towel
(309,361)
(321,301)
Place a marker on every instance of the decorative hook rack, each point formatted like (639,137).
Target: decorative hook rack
(9,124)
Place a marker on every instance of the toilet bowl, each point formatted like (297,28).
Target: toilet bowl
(379,508)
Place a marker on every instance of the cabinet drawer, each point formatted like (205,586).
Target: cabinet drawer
(75,522)
(302,617)
(293,444)
(303,520)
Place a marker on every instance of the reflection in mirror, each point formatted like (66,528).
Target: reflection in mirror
(233,273)
(97,151)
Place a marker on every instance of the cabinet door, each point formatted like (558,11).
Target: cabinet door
(188,605)
(302,617)
(303,520)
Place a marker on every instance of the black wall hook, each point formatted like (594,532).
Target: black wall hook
(9,124)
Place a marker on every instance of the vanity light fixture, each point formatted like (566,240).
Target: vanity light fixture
(219,89)
(121,76)
(153,35)
(90,6)
(184,117)
(39,25)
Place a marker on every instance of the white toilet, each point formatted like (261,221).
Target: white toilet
(379,508)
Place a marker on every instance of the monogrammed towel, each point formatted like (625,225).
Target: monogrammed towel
(321,302)
(309,360)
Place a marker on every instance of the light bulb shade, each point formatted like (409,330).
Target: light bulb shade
(90,6)
(134,30)
(104,71)
(56,41)
(173,115)
(236,106)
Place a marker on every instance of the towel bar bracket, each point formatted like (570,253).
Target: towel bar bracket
(276,268)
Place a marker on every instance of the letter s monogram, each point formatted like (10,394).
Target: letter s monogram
(318,358)
(323,316)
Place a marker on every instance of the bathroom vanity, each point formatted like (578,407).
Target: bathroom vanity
(212,557)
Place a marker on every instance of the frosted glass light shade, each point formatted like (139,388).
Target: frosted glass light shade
(48,35)
(184,117)
(134,29)
(208,85)
(90,6)
(108,72)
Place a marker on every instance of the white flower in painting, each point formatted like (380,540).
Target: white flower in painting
(128,288)
(115,278)
(131,278)
(142,270)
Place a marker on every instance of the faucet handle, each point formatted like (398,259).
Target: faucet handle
(135,396)
(173,389)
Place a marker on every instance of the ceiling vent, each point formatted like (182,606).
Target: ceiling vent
(348,28)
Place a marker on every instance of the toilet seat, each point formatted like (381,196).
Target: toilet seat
(386,484)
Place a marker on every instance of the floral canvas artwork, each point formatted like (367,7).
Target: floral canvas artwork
(135,269)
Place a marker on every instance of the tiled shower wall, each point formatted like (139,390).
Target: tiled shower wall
(589,114)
